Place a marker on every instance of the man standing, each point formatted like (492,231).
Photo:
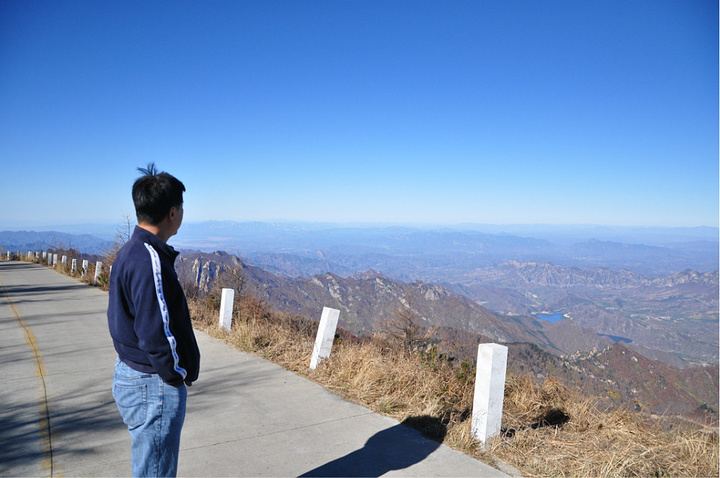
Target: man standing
(150,326)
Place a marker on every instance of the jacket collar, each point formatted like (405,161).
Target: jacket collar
(145,236)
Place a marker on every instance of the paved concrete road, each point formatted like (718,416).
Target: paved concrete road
(245,417)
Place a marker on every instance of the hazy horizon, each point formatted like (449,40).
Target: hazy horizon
(108,230)
(45,225)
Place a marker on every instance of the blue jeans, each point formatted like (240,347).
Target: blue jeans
(154,413)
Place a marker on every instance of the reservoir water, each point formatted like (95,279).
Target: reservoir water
(552,318)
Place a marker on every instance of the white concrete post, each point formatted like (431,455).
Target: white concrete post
(37,256)
(226,308)
(84,267)
(325,336)
(49,258)
(54,260)
(489,392)
(73,266)
(98,270)
(63,261)
(29,255)
(8,255)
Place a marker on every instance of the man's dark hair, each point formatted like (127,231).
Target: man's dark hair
(154,194)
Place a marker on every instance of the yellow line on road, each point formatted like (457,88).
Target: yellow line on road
(44,418)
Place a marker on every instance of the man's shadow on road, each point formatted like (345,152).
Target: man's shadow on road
(395,448)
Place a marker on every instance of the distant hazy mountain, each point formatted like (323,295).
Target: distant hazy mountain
(369,299)
(581,349)
(675,314)
(625,284)
(406,253)
(435,254)
(633,299)
(25,241)
(645,294)
(673,318)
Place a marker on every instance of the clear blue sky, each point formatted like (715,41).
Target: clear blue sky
(433,112)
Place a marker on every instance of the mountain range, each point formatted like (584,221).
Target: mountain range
(599,363)
(618,309)
(670,318)
(646,295)
(25,241)
(431,254)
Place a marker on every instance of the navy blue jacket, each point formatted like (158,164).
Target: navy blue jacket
(148,315)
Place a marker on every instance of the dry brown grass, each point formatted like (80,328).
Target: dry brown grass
(596,441)
(401,383)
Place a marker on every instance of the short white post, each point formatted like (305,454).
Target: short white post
(325,336)
(489,392)
(49,258)
(54,260)
(29,255)
(37,257)
(84,267)
(8,255)
(226,308)
(98,269)
(73,266)
(63,261)
(44,254)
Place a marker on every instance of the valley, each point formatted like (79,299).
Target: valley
(653,379)
(632,322)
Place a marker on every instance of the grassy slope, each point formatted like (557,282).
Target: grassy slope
(403,381)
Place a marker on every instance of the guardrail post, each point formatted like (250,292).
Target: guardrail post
(54,261)
(98,270)
(85,265)
(73,266)
(325,336)
(489,392)
(226,308)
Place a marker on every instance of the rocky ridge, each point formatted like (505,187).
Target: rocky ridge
(614,372)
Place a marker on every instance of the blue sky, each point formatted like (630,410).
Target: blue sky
(418,112)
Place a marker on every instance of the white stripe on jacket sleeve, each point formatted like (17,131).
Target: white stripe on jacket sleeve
(157,275)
